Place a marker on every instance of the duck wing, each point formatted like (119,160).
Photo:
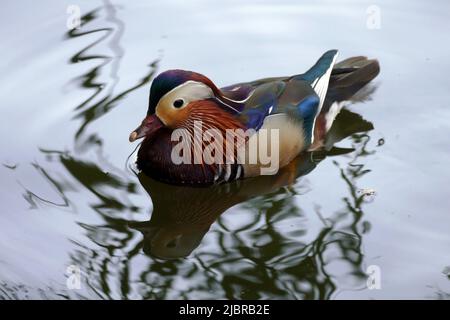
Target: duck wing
(301,96)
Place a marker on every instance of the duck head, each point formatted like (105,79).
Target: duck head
(179,97)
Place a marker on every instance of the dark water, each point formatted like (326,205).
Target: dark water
(71,198)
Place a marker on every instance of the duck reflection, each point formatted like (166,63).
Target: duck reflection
(182,215)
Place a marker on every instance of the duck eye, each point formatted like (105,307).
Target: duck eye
(178,103)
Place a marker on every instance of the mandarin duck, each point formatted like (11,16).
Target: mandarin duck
(301,108)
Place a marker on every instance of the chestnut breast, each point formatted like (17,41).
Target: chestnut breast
(154,159)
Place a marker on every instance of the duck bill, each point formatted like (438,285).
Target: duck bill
(148,126)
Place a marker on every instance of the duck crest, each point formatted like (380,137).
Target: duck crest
(230,101)
(169,80)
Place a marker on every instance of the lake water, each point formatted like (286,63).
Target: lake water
(72,203)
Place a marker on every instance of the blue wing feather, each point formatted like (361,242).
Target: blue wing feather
(308,110)
(261,104)
(308,106)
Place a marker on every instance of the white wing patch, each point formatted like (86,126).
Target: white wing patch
(320,85)
(335,108)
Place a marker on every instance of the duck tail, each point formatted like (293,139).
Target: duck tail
(349,76)
(347,85)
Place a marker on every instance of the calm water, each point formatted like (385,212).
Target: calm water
(69,192)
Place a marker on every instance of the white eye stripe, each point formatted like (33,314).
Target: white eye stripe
(188,92)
